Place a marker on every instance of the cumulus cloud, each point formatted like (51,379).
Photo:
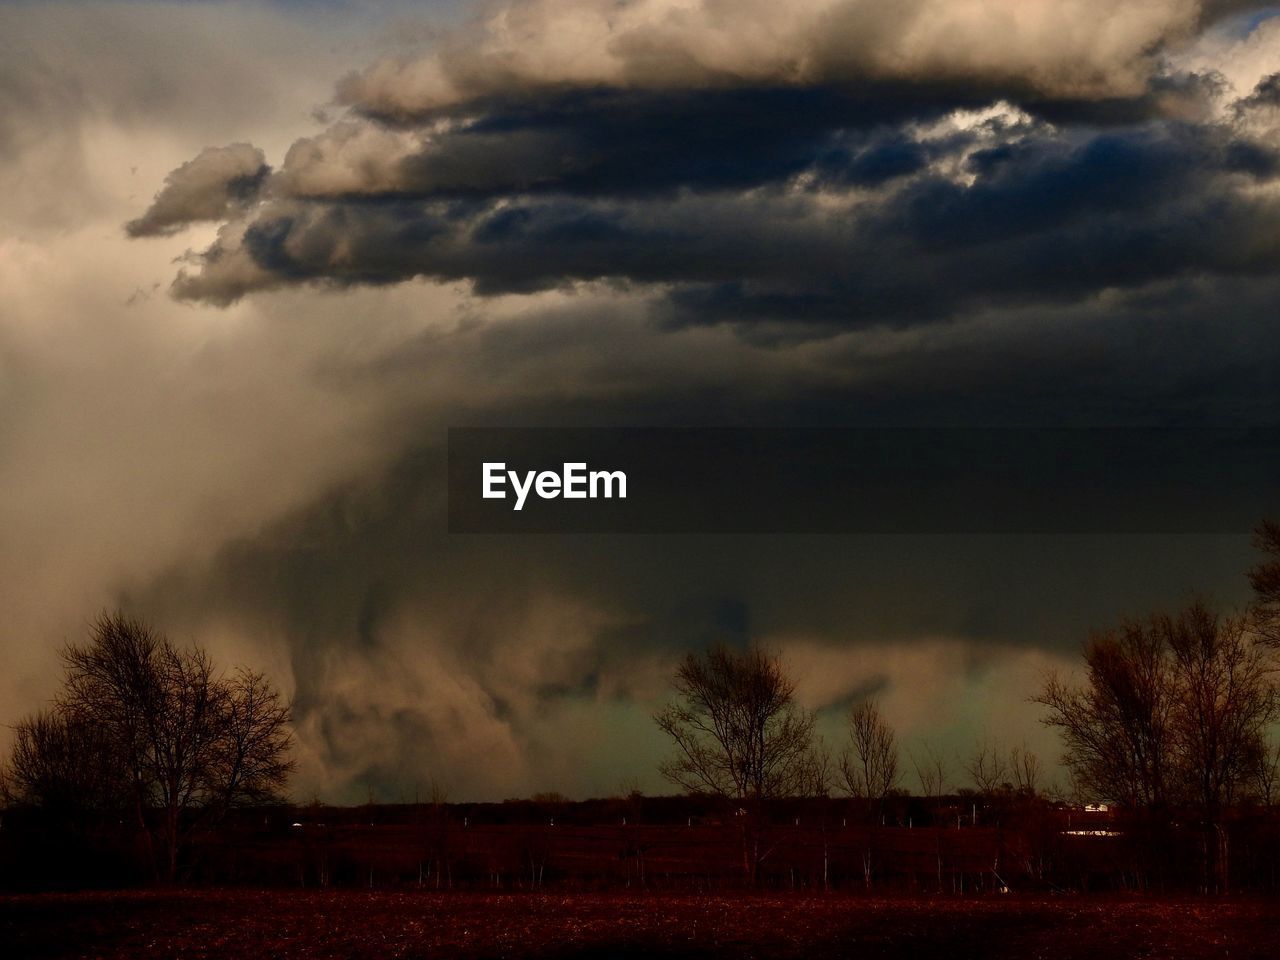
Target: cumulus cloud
(836,229)
(906,191)
(1239,59)
(1077,48)
(217,185)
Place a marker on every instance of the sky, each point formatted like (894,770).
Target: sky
(256,259)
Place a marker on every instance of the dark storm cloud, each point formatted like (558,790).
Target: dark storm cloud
(1179,95)
(414,652)
(627,143)
(1212,10)
(624,144)
(1265,95)
(1041,222)
(878,228)
(847,193)
(382,693)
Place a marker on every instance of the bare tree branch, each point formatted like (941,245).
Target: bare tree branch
(737,730)
(144,725)
(870,770)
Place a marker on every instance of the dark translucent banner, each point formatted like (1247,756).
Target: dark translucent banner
(659,480)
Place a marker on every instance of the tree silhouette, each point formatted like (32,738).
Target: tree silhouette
(738,731)
(1025,771)
(1174,712)
(143,725)
(1116,728)
(931,771)
(870,767)
(1265,580)
(740,736)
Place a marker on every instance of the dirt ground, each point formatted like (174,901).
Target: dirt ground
(355,924)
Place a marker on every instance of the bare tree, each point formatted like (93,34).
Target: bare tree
(1266,771)
(739,735)
(1175,711)
(818,775)
(1225,701)
(987,767)
(931,771)
(870,767)
(1025,771)
(1265,579)
(738,731)
(629,789)
(182,743)
(435,836)
(65,767)
(1116,727)
(250,763)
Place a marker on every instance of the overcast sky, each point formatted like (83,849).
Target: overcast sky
(255,259)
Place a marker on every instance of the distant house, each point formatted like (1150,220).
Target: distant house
(1093,820)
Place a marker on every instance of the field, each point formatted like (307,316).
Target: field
(353,924)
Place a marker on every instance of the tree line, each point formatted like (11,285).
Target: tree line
(1174,709)
(1172,719)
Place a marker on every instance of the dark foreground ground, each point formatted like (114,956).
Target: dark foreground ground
(250,924)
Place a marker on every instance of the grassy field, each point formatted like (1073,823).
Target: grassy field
(350,924)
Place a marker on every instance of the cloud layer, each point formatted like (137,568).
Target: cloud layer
(956,157)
